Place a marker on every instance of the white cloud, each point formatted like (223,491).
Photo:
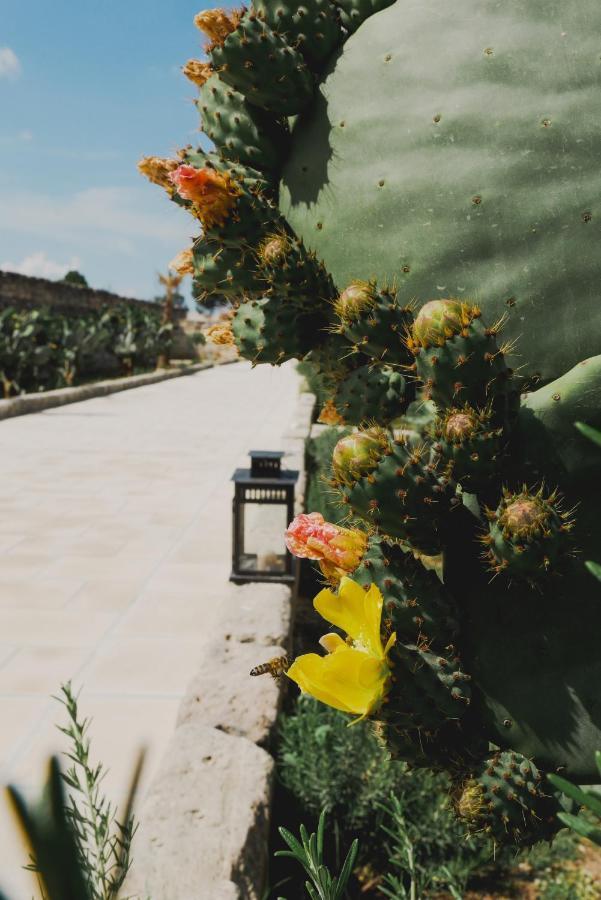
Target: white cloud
(116,217)
(10,67)
(41,266)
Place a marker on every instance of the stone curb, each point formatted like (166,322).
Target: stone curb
(31,403)
(204,827)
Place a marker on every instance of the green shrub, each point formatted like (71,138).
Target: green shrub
(348,773)
(43,349)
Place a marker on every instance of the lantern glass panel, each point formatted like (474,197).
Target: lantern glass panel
(262,547)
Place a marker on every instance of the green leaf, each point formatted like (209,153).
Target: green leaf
(594,568)
(583,798)
(591,433)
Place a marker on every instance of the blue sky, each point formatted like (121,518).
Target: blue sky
(87,87)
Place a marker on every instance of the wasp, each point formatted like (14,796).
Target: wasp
(276,667)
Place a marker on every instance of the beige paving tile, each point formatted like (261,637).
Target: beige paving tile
(89,567)
(34,627)
(166,613)
(144,666)
(19,716)
(106,595)
(41,670)
(27,593)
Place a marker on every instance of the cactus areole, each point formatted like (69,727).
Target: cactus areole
(407,197)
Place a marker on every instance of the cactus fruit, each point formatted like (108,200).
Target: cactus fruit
(528,535)
(457,358)
(478,202)
(369,392)
(508,799)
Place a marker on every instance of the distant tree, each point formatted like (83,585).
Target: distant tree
(75,278)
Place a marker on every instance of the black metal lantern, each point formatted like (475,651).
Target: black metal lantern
(263,507)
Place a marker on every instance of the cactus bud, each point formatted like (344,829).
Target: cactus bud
(217,24)
(329,415)
(183,263)
(356,455)
(354,300)
(459,426)
(221,334)
(469,802)
(198,72)
(439,320)
(158,170)
(212,193)
(273,249)
(338,550)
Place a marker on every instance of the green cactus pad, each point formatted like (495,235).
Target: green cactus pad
(483,183)
(417,604)
(374,322)
(378,393)
(290,271)
(354,12)
(311,26)
(427,690)
(259,63)
(224,271)
(402,496)
(269,331)
(508,798)
(241,132)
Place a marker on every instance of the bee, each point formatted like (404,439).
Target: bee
(276,667)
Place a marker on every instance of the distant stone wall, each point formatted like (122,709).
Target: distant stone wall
(31,293)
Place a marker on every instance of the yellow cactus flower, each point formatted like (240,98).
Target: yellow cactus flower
(355,675)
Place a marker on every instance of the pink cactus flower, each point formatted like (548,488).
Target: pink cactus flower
(338,550)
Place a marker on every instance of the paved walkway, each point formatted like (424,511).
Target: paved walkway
(114,547)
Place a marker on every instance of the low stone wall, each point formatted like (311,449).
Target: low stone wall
(204,828)
(22,291)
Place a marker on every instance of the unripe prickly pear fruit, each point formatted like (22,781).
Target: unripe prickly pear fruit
(508,799)
(528,536)
(439,320)
(458,360)
(357,454)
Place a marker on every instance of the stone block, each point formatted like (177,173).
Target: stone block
(204,827)
(223,694)
(256,613)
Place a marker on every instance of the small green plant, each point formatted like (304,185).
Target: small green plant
(589,800)
(79,849)
(321,884)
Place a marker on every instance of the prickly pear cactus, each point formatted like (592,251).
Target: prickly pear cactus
(406,196)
